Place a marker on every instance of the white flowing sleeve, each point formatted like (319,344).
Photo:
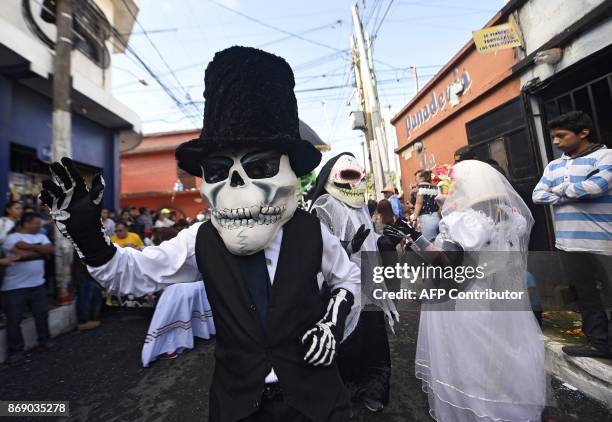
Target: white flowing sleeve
(340,272)
(471,229)
(153,268)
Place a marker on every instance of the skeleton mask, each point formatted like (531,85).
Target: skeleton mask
(346,182)
(252,193)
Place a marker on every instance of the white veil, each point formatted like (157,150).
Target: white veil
(483,357)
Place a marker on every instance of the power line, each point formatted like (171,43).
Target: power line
(275,28)
(375,33)
(186,93)
(288,37)
(146,67)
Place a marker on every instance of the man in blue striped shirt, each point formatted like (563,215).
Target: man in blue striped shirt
(578,186)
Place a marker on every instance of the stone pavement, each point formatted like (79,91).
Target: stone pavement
(100,373)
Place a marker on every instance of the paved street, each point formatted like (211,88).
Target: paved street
(100,373)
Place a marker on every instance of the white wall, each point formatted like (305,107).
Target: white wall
(11,14)
(541,20)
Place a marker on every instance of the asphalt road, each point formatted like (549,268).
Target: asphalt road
(99,372)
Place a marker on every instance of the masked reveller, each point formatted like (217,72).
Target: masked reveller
(339,202)
(259,256)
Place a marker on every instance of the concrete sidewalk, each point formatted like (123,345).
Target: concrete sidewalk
(62,319)
(591,376)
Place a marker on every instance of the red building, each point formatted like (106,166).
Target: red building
(149,175)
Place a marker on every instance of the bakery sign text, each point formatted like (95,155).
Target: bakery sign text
(439,101)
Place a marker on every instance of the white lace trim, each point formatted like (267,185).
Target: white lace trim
(429,389)
(428,191)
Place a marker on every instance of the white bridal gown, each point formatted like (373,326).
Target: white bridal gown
(479,364)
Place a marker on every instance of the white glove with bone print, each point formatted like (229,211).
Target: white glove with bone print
(328,332)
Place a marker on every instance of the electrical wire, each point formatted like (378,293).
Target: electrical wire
(276,28)
(375,33)
(309,31)
(185,92)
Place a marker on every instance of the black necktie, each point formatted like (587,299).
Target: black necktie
(255,273)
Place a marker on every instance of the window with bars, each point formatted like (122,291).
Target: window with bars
(595,99)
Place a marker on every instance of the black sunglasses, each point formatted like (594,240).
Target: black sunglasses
(256,164)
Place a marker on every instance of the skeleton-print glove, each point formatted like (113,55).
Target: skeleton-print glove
(402,230)
(355,244)
(322,340)
(76,211)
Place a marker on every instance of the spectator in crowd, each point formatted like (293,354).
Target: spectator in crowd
(372,206)
(126,217)
(145,221)
(144,218)
(46,222)
(125,238)
(89,296)
(112,215)
(107,222)
(134,213)
(578,186)
(383,216)
(426,209)
(390,193)
(137,227)
(164,219)
(12,214)
(23,283)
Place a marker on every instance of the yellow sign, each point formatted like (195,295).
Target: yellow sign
(496,38)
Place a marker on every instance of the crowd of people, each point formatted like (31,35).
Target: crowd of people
(27,265)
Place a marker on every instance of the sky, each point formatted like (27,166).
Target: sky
(176,40)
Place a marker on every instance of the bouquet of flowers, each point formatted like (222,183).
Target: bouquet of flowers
(443,178)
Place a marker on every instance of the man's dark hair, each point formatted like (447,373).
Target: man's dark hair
(464,153)
(9,205)
(425,174)
(574,121)
(122,223)
(143,210)
(26,217)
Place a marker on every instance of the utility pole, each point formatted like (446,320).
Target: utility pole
(62,130)
(368,144)
(416,77)
(375,135)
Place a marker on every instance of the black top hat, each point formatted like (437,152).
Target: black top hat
(249,101)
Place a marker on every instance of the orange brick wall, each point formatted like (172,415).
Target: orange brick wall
(490,85)
(151,172)
(148,176)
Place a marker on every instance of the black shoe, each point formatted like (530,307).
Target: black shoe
(587,351)
(373,406)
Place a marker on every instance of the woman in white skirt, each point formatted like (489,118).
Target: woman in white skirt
(482,359)
(182,313)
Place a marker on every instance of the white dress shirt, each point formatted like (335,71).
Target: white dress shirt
(142,272)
